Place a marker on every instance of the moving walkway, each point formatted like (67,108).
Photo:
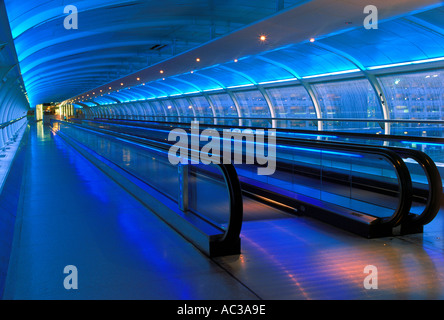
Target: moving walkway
(367,190)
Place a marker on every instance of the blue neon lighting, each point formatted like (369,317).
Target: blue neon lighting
(406,63)
(424,143)
(336,153)
(62,66)
(331,73)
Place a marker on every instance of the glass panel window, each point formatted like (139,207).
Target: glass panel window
(253,104)
(351,99)
(159,111)
(293,102)
(171,109)
(185,110)
(146,110)
(203,109)
(225,107)
(415,95)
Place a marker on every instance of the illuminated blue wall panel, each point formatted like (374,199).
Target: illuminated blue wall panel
(202,108)
(253,104)
(184,109)
(393,42)
(308,59)
(348,99)
(292,102)
(225,77)
(415,95)
(257,70)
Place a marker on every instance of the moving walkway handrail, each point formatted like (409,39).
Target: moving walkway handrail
(434,180)
(293,119)
(234,225)
(405,183)
(8,123)
(381,136)
(349,134)
(431,171)
(433,176)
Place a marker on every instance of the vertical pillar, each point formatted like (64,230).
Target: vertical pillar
(270,107)
(316,104)
(238,109)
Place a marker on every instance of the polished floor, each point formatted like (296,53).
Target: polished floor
(73,214)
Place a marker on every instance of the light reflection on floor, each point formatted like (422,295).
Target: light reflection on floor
(299,258)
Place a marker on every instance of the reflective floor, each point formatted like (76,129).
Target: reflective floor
(73,214)
(299,258)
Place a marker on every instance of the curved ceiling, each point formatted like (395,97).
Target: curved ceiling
(115,37)
(13,100)
(409,33)
(134,50)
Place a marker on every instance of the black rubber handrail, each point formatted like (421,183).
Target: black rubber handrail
(402,211)
(347,134)
(434,181)
(235,220)
(294,119)
(432,174)
(427,164)
(234,226)
(8,123)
